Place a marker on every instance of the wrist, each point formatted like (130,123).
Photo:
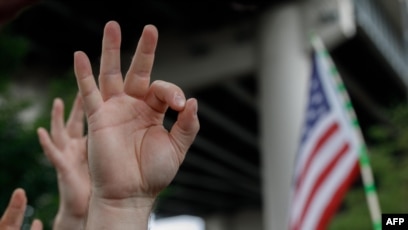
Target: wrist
(128,213)
(123,198)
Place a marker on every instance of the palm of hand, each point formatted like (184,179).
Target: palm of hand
(74,181)
(130,153)
(132,138)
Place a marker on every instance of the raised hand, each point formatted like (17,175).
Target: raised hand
(66,149)
(132,157)
(13,216)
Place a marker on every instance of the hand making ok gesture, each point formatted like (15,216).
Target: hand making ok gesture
(131,156)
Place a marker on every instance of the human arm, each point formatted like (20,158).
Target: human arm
(65,147)
(13,216)
(132,157)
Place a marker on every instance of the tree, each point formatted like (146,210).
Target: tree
(22,162)
(388,151)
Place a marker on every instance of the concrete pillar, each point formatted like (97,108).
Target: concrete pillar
(283,71)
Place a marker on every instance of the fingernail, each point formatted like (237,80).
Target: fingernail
(195,108)
(179,100)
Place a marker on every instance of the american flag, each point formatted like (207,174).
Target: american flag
(327,159)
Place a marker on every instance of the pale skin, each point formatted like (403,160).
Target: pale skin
(132,157)
(13,216)
(65,147)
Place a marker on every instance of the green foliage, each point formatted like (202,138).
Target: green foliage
(13,49)
(22,162)
(389,161)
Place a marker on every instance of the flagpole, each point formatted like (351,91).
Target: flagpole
(365,167)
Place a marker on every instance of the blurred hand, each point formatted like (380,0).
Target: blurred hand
(13,216)
(66,149)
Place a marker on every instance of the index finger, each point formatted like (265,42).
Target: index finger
(137,79)
(91,96)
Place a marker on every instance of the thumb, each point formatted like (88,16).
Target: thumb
(186,127)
